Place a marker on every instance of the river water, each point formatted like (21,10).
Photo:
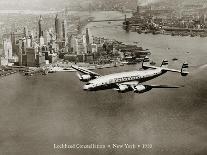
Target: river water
(40,111)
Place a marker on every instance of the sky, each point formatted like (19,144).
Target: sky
(33,4)
(47,4)
(18,4)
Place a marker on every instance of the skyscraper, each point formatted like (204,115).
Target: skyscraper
(58,29)
(40,26)
(25,32)
(7,48)
(64,27)
(87,37)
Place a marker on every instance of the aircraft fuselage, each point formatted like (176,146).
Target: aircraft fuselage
(111,80)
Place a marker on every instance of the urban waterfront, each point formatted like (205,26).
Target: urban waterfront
(192,50)
(40,111)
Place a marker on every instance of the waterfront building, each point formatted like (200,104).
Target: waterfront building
(40,59)
(20,51)
(94,48)
(3,61)
(31,57)
(7,48)
(52,57)
(96,40)
(28,52)
(79,44)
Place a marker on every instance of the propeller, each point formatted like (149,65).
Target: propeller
(78,75)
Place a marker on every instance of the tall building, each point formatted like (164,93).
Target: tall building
(29,41)
(79,44)
(7,48)
(138,9)
(48,37)
(65,31)
(40,33)
(31,57)
(25,32)
(42,41)
(13,39)
(58,29)
(87,37)
(22,52)
(94,48)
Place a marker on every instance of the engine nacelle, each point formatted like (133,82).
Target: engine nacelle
(140,89)
(123,88)
(85,78)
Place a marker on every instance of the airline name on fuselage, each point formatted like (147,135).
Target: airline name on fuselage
(126,78)
(132,78)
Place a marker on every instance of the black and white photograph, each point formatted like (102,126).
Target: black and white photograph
(103,77)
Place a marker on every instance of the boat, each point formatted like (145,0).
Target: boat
(28,74)
(91,67)
(115,64)
(174,59)
(107,65)
(124,62)
(121,64)
(99,67)
(152,63)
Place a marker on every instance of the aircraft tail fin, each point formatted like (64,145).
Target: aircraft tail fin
(184,69)
(146,63)
(164,64)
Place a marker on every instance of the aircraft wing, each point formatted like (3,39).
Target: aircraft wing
(165,69)
(133,84)
(85,71)
(139,88)
(145,88)
(163,86)
(152,67)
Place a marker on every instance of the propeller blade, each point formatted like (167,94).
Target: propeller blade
(78,75)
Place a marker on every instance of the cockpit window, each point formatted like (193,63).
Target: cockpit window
(87,83)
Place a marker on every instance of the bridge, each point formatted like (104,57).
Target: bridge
(120,18)
(107,20)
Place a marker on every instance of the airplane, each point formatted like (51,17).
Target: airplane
(128,81)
